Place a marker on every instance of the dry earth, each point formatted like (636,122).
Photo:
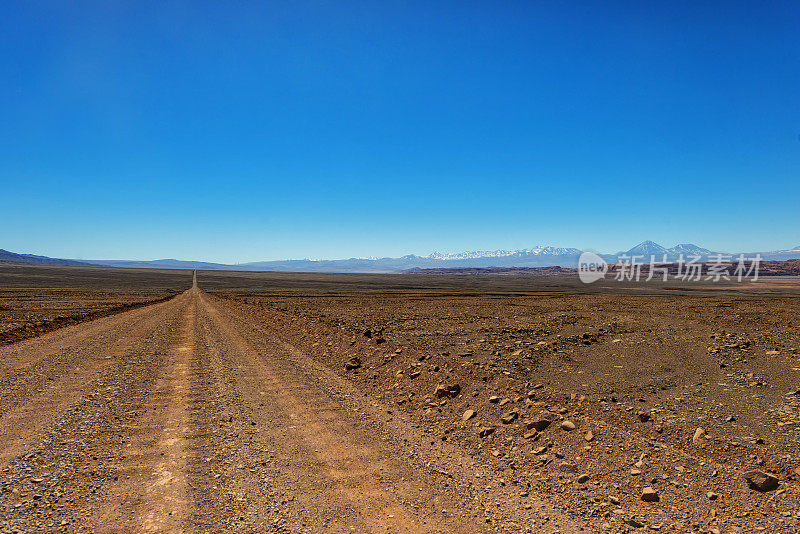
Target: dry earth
(39,299)
(230,408)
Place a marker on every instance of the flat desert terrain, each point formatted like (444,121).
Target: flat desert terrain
(163,401)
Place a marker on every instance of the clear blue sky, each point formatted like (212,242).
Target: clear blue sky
(241,131)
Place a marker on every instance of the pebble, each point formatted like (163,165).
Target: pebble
(352,363)
(567,467)
(699,436)
(509,417)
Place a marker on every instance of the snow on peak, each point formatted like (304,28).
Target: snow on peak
(537,250)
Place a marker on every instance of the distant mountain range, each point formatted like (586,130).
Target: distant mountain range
(540,256)
(13,257)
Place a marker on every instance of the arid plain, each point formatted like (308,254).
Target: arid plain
(143,401)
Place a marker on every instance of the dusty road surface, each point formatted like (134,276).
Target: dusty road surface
(184,417)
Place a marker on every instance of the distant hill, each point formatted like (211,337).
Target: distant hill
(765,268)
(165,264)
(13,257)
(646,249)
(779,255)
(780,268)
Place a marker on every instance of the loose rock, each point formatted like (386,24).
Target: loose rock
(447,391)
(761,481)
(567,467)
(650,495)
(539,424)
(485,431)
(509,417)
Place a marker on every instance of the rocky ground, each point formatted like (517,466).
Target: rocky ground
(627,410)
(295,403)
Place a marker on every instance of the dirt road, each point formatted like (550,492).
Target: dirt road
(183,417)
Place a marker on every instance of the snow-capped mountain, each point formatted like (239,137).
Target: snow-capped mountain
(789,250)
(535,251)
(650,248)
(689,249)
(468,255)
(786,254)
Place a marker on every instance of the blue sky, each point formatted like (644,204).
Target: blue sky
(241,131)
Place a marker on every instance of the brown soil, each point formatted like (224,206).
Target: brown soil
(38,299)
(232,410)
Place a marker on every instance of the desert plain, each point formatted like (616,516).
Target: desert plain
(216,401)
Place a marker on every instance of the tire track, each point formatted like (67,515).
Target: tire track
(61,384)
(153,493)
